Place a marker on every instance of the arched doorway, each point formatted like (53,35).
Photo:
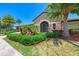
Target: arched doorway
(44,26)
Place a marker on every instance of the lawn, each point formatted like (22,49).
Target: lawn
(46,48)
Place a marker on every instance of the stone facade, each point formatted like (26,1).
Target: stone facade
(53,24)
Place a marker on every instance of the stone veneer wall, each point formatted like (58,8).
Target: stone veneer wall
(43,17)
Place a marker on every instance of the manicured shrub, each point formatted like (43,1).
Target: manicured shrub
(15,37)
(38,37)
(26,39)
(6,33)
(53,34)
(33,39)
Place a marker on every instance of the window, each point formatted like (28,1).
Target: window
(54,26)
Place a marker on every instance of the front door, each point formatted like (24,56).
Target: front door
(44,26)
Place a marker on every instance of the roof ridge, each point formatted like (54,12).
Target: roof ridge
(39,15)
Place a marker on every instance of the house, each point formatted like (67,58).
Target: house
(48,25)
(45,24)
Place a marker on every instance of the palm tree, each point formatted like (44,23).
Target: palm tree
(18,21)
(55,10)
(7,22)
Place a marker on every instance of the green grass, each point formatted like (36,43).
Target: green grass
(21,48)
(46,49)
(73,28)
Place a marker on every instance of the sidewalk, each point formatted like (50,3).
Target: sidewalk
(6,49)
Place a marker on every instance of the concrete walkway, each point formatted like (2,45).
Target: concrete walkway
(6,49)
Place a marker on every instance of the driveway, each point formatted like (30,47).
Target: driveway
(6,49)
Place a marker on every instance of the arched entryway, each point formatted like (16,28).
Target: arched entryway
(44,26)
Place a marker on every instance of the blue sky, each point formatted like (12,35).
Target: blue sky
(25,11)
(73,16)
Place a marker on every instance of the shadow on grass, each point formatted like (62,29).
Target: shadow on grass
(71,43)
(57,42)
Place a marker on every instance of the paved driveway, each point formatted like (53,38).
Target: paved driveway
(6,49)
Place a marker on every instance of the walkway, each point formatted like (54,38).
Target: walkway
(6,49)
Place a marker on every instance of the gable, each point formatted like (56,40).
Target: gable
(43,16)
(40,17)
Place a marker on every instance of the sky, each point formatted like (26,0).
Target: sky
(26,12)
(23,11)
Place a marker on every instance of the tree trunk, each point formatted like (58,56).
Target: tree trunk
(66,31)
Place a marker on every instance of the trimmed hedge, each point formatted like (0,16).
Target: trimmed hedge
(32,39)
(53,34)
(26,39)
(4,32)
